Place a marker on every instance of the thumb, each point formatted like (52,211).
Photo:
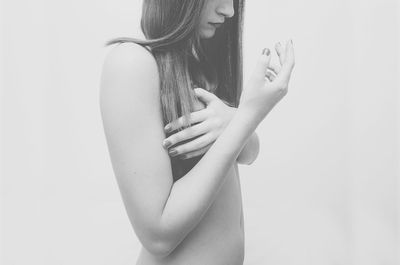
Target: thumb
(204,95)
(262,65)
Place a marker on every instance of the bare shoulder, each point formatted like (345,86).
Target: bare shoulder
(129,52)
(133,126)
(129,73)
(129,60)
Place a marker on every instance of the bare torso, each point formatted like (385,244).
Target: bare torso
(218,239)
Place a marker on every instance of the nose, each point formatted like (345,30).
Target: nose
(226,9)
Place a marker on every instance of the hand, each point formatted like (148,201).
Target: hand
(209,123)
(261,93)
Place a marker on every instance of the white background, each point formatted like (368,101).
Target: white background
(324,189)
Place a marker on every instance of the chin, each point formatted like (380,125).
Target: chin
(207,34)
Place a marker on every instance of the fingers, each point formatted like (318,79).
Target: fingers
(204,95)
(196,153)
(281,52)
(290,53)
(270,76)
(186,134)
(192,145)
(261,66)
(195,117)
(275,67)
(288,64)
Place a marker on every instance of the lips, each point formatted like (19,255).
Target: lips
(217,25)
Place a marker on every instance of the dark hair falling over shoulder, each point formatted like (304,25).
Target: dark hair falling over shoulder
(185,60)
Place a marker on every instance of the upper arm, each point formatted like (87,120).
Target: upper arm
(132,121)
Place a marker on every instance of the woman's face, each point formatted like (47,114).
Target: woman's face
(213,15)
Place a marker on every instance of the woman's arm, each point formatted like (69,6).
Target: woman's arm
(208,126)
(161,212)
(251,149)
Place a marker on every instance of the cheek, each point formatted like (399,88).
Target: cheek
(207,12)
(206,30)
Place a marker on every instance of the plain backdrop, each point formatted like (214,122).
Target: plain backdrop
(323,190)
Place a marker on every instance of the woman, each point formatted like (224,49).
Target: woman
(185,205)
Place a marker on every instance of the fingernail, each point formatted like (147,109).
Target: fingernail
(266,51)
(173,152)
(166,143)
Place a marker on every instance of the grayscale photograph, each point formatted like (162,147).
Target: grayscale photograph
(200,132)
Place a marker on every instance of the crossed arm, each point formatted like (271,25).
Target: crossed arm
(209,123)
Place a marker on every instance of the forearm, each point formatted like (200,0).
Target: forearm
(250,150)
(192,195)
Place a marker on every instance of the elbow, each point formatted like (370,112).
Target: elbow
(159,248)
(156,238)
(158,244)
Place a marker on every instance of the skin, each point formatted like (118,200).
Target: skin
(212,114)
(210,119)
(214,11)
(199,218)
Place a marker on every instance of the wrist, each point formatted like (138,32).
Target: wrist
(254,116)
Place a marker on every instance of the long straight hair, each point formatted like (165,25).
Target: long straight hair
(185,60)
